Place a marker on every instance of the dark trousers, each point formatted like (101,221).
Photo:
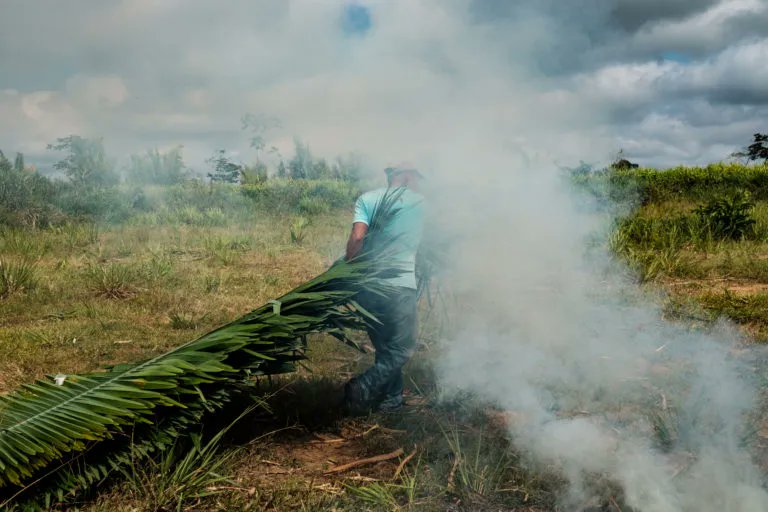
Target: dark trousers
(394,339)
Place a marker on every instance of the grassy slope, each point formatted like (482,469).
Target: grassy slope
(125,293)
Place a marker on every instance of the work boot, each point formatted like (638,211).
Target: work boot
(356,399)
(392,403)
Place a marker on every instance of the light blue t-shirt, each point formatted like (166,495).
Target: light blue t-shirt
(407,226)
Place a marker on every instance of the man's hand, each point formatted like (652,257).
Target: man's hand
(355,242)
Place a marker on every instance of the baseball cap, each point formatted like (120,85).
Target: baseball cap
(403,167)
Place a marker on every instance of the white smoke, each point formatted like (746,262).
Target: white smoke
(555,333)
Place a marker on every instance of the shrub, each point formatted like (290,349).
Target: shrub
(729,217)
(111,204)
(290,196)
(85,163)
(314,205)
(113,281)
(25,197)
(75,235)
(158,168)
(181,321)
(693,183)
(26,244)
(225,250)
(298,230)
(16,277)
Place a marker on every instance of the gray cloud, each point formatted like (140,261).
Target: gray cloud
(144,73)
(632,15)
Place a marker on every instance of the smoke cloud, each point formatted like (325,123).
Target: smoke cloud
(555,333)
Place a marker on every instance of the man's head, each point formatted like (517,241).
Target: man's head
(403,175)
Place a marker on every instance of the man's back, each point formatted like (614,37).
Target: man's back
(407,226)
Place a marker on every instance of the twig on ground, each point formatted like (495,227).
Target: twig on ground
(363,462)
(361,478)
(404,462)
(343,439)
(682,283)
(271,433)
(249,490)
(328,488)
(393,431)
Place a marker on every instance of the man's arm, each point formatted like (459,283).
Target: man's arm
(355,242)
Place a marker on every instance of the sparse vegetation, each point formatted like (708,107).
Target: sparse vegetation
(181,475)
(189,256)
(113,280)
(298,230)
(16,277)
(700,232)
(728,217)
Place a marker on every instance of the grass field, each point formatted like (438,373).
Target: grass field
(76,297)
(706,275)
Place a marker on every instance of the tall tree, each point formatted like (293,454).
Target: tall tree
(5,164)
(348,167)
(253,174)
(300,166)
(258,126)
(224,170)
(758,150)
(282,170)
(320,169)
(157,168)
(18,163)
(85,163)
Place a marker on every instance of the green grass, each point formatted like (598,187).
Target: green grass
(648,186)
(693,231)
(115,288)
(113,293)
(122,293)
(16,277)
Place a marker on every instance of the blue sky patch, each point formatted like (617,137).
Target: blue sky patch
(356,19)
(676,57)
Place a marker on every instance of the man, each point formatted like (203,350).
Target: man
(394,338)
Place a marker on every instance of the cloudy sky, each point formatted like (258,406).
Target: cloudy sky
(669,81)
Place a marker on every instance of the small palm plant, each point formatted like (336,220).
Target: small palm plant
(16,277)
(729,217)
(298,230)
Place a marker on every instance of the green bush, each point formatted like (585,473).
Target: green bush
(112,280)
(16,277)
(202,196)
(298,230)
(729,217)
(304,196)
(314,205)
(112,205)
(26,198)
(692,183)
